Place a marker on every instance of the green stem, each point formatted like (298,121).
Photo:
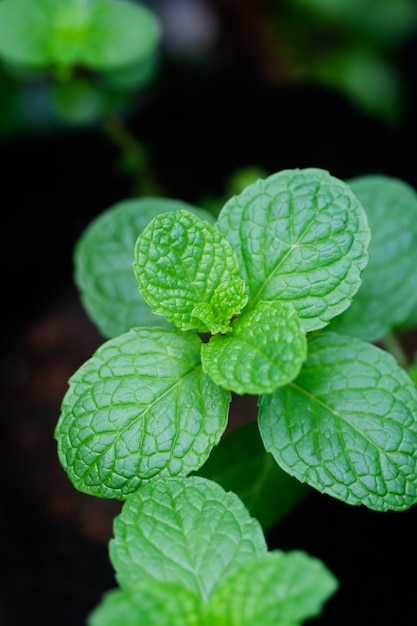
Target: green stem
(133,153)
(392,344)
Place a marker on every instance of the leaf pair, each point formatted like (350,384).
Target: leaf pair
(298,239)
(187,552)
(188,272)
(45,33)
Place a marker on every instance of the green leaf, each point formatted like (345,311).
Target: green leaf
(347,425)
(277,589)
(188,531)
(187,552)
(301,236)
(265,350)
(388,292)
(140,407)
(105,47)
(24,26)
(228,300)
(239,463)
(181,263)
(162,604)
(103,264)
(74,32)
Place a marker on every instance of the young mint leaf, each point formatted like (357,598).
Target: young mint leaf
(228,300)
(162,605)
(141,406)
(347,425)
(388,292)
(188,531)
(277,589)
(265,350)
(301,236)
(239,463)
(181,263)
(103,264)
(45,32)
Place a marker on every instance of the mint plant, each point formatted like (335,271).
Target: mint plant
(248,304)
(187,552)
(73,52)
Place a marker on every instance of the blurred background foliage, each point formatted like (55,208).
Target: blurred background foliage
(354,46)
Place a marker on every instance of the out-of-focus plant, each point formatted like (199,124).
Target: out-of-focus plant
(66,63)
(351,45)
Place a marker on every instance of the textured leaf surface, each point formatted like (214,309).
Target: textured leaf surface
(239,463)
(388,292)
(181,263)
(162,605)
(228,300)
(347,425)
(103,264)
(277,589)
(72,32)
(141,406)
(265,350)
(187,531)
(301,236)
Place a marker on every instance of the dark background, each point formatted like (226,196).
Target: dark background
(199,122)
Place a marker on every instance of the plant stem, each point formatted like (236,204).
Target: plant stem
(134,154)
(392,344)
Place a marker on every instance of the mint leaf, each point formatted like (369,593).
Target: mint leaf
(301,236)
(182,263)
(141,406)
(71,33)
(103,264)
(265,350)
(347,425)
(228,300)
(162,604)
(239,463)
(388,292)
(278,588)
(186,549)
(187,531)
